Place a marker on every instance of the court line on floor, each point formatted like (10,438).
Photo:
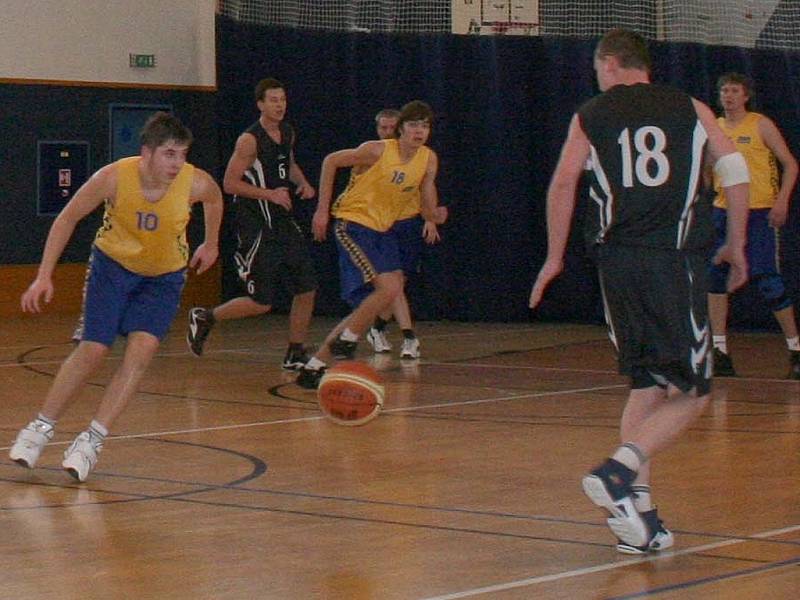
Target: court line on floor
(320,417)
(618,564)
(684,585)
(422,363)
(322,331)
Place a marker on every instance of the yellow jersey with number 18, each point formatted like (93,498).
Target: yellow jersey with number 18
(379,196)
(761,162)
(147,238)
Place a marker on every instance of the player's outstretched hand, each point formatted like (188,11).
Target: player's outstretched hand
(205,256)
(38,290)
(319,225)
(735,257)
(549,271)
(281,197)
(305,191)
(777,216)
(430,233)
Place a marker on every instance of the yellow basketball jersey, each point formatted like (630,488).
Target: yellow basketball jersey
(412,209)
(760,160)
(148,238)
(383,193)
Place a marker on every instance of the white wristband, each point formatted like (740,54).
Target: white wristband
(732,169)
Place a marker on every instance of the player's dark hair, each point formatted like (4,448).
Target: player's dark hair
(416,110)
(387,113)
(267,84)
(163,127)
(628,47)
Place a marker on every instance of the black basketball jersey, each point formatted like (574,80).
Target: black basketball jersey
(269,170)
(646,152)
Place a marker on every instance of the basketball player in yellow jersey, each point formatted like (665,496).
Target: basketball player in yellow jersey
(410,230)
(390,174)
(763,146)
(136,272)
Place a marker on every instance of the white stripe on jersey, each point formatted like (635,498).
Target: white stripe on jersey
(699,138)
(605,205)
(255,175)
(244,262)
(612,334)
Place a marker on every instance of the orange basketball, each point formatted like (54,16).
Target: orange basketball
(351,393)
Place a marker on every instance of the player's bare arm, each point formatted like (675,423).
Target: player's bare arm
(560,206)
(206,190)
(774,140)
(101,185)
(366,155)
(429,196)
(244,155)
(722,151)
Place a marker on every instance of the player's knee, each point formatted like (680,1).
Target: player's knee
(390,284)
(773,291)
(259,308)
(93,351)
(398,285)
(142,342)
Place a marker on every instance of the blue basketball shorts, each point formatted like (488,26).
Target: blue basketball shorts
(117,301)
(762,247)
(409,240)
(363,255)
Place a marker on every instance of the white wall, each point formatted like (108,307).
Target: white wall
(466,13)
(90,40)
(727,22)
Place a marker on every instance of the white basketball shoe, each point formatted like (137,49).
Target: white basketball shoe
(81,456)
(410,348)
(377,339)
(29,443)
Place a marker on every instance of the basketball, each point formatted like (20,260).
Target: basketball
(351,393)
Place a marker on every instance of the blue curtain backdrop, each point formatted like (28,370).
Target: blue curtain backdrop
(503,105)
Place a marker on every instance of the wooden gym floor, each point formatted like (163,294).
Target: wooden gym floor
(222,480)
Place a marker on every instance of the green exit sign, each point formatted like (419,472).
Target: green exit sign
(142,61)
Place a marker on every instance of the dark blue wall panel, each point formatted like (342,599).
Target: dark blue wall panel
(503,105)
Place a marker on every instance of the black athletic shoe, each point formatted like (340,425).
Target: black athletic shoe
(309,378)
(295,360)
(200,324)
(662,538)
(342,349)
(723,364)
(615,479)
(609,486)
(794,362)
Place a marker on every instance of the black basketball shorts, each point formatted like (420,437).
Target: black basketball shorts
(657,315)
(267,258)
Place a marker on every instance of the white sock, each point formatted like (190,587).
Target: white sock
(721,343)
(348,336)
(630,456)
(642,499)
(314,364)
(46,420)
(793,343)
(97,434)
